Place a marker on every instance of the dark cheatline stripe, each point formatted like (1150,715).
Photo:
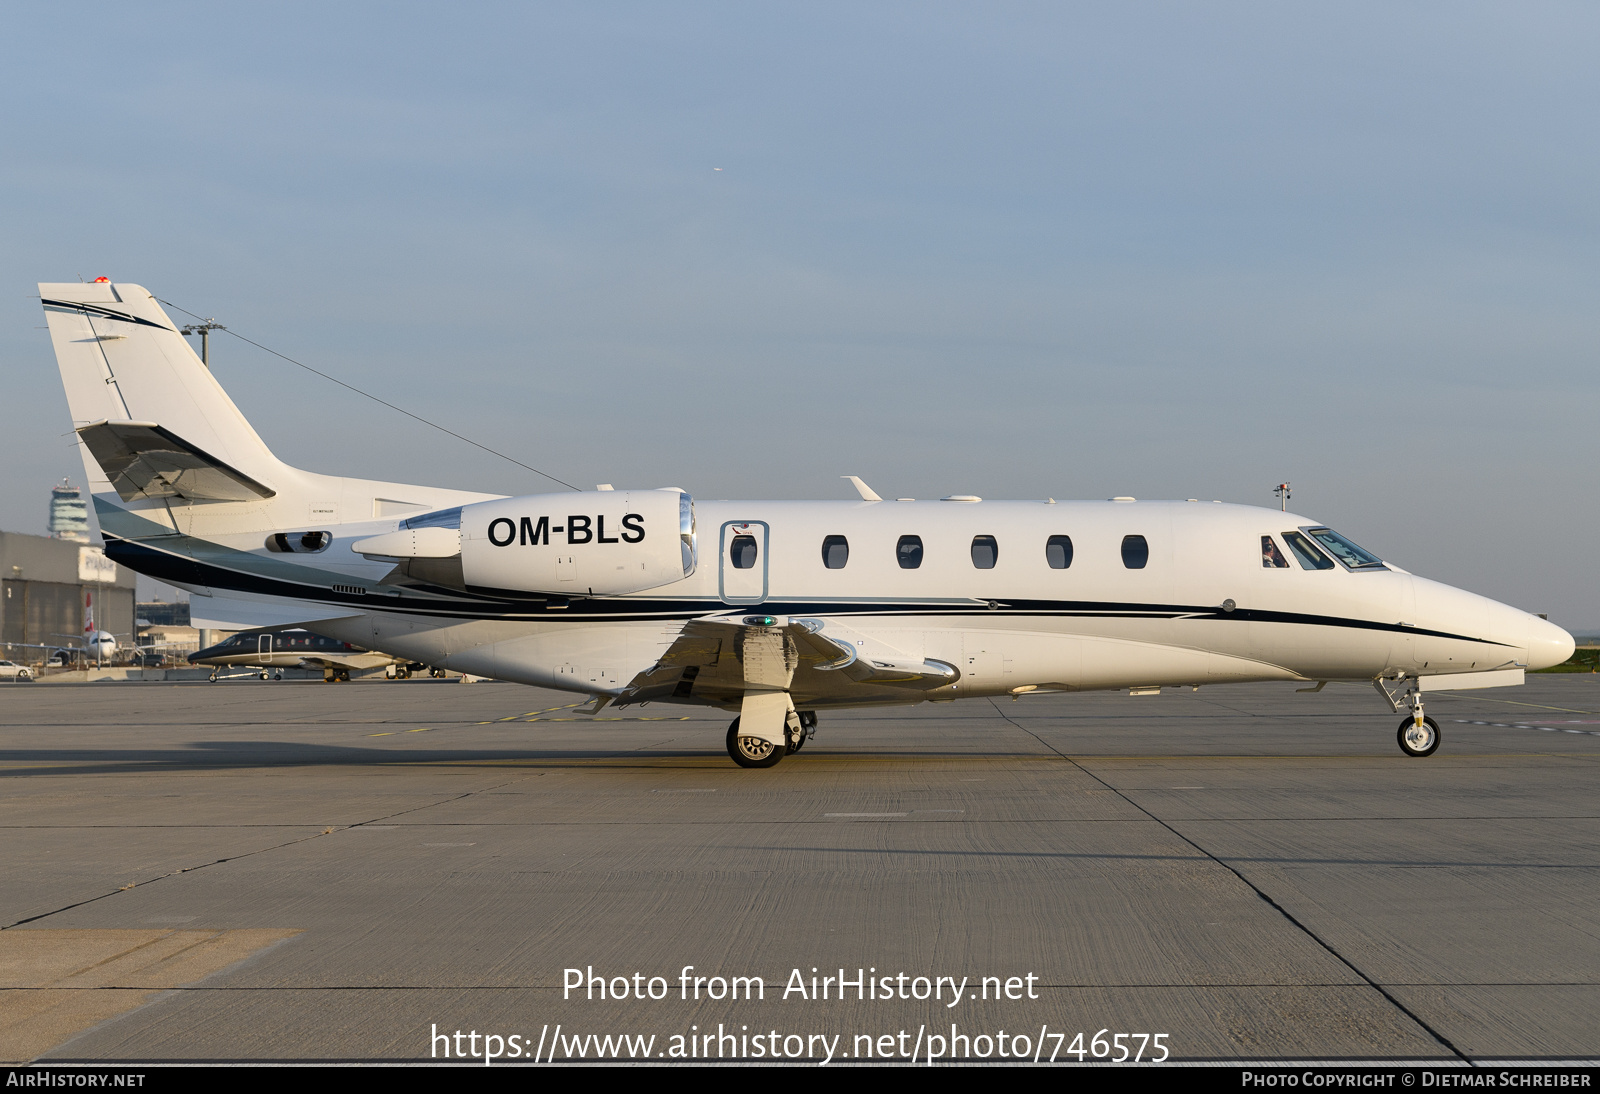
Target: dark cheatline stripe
(173,567)
(103,313)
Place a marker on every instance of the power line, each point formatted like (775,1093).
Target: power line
(374,398)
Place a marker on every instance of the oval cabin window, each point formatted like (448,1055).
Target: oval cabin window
(1058,552)
(1135,552)
(984,552)
(835,552)
(908,552)
(742,552)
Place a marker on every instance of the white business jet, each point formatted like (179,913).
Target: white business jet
(769,610)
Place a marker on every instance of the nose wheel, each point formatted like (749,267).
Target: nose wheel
(1418,736)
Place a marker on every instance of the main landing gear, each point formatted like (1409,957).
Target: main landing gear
(759,752)
(1418,734)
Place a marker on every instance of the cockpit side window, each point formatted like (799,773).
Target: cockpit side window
(1271,557)
(1356,558)
(1306,553)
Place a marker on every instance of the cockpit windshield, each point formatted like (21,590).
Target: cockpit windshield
(1306,553)
(1356,558)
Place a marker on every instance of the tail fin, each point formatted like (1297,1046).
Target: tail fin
(123,361)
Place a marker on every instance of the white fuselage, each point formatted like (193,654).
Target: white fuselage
(1203,609)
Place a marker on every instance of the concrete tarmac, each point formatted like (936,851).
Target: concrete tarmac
(265,871)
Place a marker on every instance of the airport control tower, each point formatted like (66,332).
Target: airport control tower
(69,513)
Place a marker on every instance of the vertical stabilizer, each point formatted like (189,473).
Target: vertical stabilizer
(123,360)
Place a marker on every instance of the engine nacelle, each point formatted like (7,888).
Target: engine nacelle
(595,543)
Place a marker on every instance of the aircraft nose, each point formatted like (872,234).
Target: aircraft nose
(1548,644)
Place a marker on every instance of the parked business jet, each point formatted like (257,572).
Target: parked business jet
(769,610)
(272,651)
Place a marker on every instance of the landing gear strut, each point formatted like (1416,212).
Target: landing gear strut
(752,751)
(808,730)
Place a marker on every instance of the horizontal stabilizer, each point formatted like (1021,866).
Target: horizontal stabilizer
(143,460)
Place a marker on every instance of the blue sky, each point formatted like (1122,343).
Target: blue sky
(1016,250)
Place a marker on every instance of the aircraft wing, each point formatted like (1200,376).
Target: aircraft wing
(144,460)
(724,656)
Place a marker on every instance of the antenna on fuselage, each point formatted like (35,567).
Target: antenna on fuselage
(1282,493)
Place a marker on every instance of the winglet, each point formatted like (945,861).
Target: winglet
(862,488)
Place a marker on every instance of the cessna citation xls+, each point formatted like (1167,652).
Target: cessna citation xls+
(769,610)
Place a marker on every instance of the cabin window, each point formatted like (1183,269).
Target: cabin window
(742,552)
(1271,557)
(1306,553)
(1356,558)
(984,552)
(908,552)
(1058,552)
(1135,552)
(835,552)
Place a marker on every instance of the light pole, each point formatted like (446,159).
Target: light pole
(204,331)
(1282,492)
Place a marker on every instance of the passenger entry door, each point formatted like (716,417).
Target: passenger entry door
(264,647)
(742,567)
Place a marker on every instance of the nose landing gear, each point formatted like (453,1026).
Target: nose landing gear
(1418,734)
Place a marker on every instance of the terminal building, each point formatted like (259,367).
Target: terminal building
(50,588)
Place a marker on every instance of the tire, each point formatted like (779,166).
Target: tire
(1414,742)
(752,751)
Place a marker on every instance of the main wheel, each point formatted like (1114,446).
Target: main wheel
(1418,740)
(751,751)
